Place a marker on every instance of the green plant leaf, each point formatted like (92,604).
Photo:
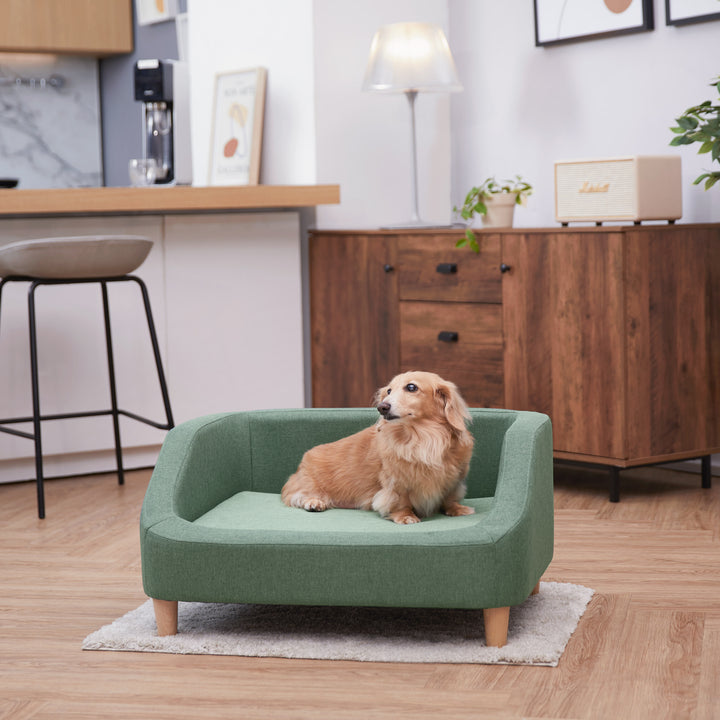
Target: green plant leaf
(706,147)
(681,140)
(687,122)
(714,177)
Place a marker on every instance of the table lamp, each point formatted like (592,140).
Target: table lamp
(411,57)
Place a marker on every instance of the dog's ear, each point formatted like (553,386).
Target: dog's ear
(455,409)
(379,396)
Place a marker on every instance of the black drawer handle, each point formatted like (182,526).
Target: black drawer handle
(448,336)
(388,268)
(446,268)
(505,268)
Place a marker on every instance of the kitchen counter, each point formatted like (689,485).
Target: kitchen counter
(162,200)
(225,280)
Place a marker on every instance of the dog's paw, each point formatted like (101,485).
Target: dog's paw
(314,505)
(456,509)
(408,519)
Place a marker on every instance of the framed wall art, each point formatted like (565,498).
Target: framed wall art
(562,21)
(154,11)
(684,12)
(237,126)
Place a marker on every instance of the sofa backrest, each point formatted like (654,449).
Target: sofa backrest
(489,428)
(279,438)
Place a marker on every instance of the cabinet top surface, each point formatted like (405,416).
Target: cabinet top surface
(571,230)
(162,200)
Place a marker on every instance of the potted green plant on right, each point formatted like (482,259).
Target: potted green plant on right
(494,201)
(701,124)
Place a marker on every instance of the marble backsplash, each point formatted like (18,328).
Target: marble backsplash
(50,121)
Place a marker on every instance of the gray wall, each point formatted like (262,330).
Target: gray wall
(121,124)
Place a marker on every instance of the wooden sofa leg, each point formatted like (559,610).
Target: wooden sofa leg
(166,616)
(536,589)
(496,626)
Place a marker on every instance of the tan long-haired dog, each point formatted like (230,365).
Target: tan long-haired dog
(412,463)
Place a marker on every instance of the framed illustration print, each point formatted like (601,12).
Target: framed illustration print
(154,11)
(684,12)
(237,125)
(562,21)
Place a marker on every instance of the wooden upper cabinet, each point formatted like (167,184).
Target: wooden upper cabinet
(69,27)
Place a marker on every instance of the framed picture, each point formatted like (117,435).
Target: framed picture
(237,126)
(562,21)
(154,11)
(684,12)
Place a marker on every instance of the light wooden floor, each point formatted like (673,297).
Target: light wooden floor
(648,646)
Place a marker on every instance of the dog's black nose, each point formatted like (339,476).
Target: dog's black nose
(384,408)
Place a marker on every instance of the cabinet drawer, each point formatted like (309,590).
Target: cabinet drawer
(432,268)
(471,353)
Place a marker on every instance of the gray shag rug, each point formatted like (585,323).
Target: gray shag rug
(539,630)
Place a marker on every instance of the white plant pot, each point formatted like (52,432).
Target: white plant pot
(500,210)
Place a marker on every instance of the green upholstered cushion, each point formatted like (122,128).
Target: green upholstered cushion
(266,518)
(213,528)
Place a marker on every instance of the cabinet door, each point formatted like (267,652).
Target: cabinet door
(354,317)
(72,357)
(234,312)
(673,318)
(563,319)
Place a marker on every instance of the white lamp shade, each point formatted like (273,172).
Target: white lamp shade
(411,56)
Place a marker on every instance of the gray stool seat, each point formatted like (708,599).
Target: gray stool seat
(74,257)
(101,259)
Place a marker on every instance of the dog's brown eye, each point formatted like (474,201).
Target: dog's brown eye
(411,387)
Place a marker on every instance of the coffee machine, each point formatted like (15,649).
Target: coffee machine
(163,88)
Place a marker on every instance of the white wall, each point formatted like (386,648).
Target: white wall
(225,35)
(363,139)
(319,126)
(525,107)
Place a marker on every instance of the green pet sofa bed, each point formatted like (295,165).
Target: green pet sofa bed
(213,527)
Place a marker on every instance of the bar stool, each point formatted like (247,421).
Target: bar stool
(100,259)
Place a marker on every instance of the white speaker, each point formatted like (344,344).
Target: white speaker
(635,188)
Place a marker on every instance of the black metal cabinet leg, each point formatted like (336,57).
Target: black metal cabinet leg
(36,401)
(614,484)
(706,465)
(113,388)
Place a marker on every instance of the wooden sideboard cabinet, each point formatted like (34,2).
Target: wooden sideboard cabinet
(614,332)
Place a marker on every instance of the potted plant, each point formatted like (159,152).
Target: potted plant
(495,202)
(701,123)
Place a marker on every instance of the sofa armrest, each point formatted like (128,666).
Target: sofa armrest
(202,462)
(521,522)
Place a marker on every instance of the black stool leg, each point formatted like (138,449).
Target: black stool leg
(156,350)
(36,401)
(113,388)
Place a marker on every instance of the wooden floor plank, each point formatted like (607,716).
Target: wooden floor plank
(647,647)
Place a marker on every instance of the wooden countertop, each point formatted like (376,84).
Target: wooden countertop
(162,200)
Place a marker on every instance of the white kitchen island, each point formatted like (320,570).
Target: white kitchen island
(225,283)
